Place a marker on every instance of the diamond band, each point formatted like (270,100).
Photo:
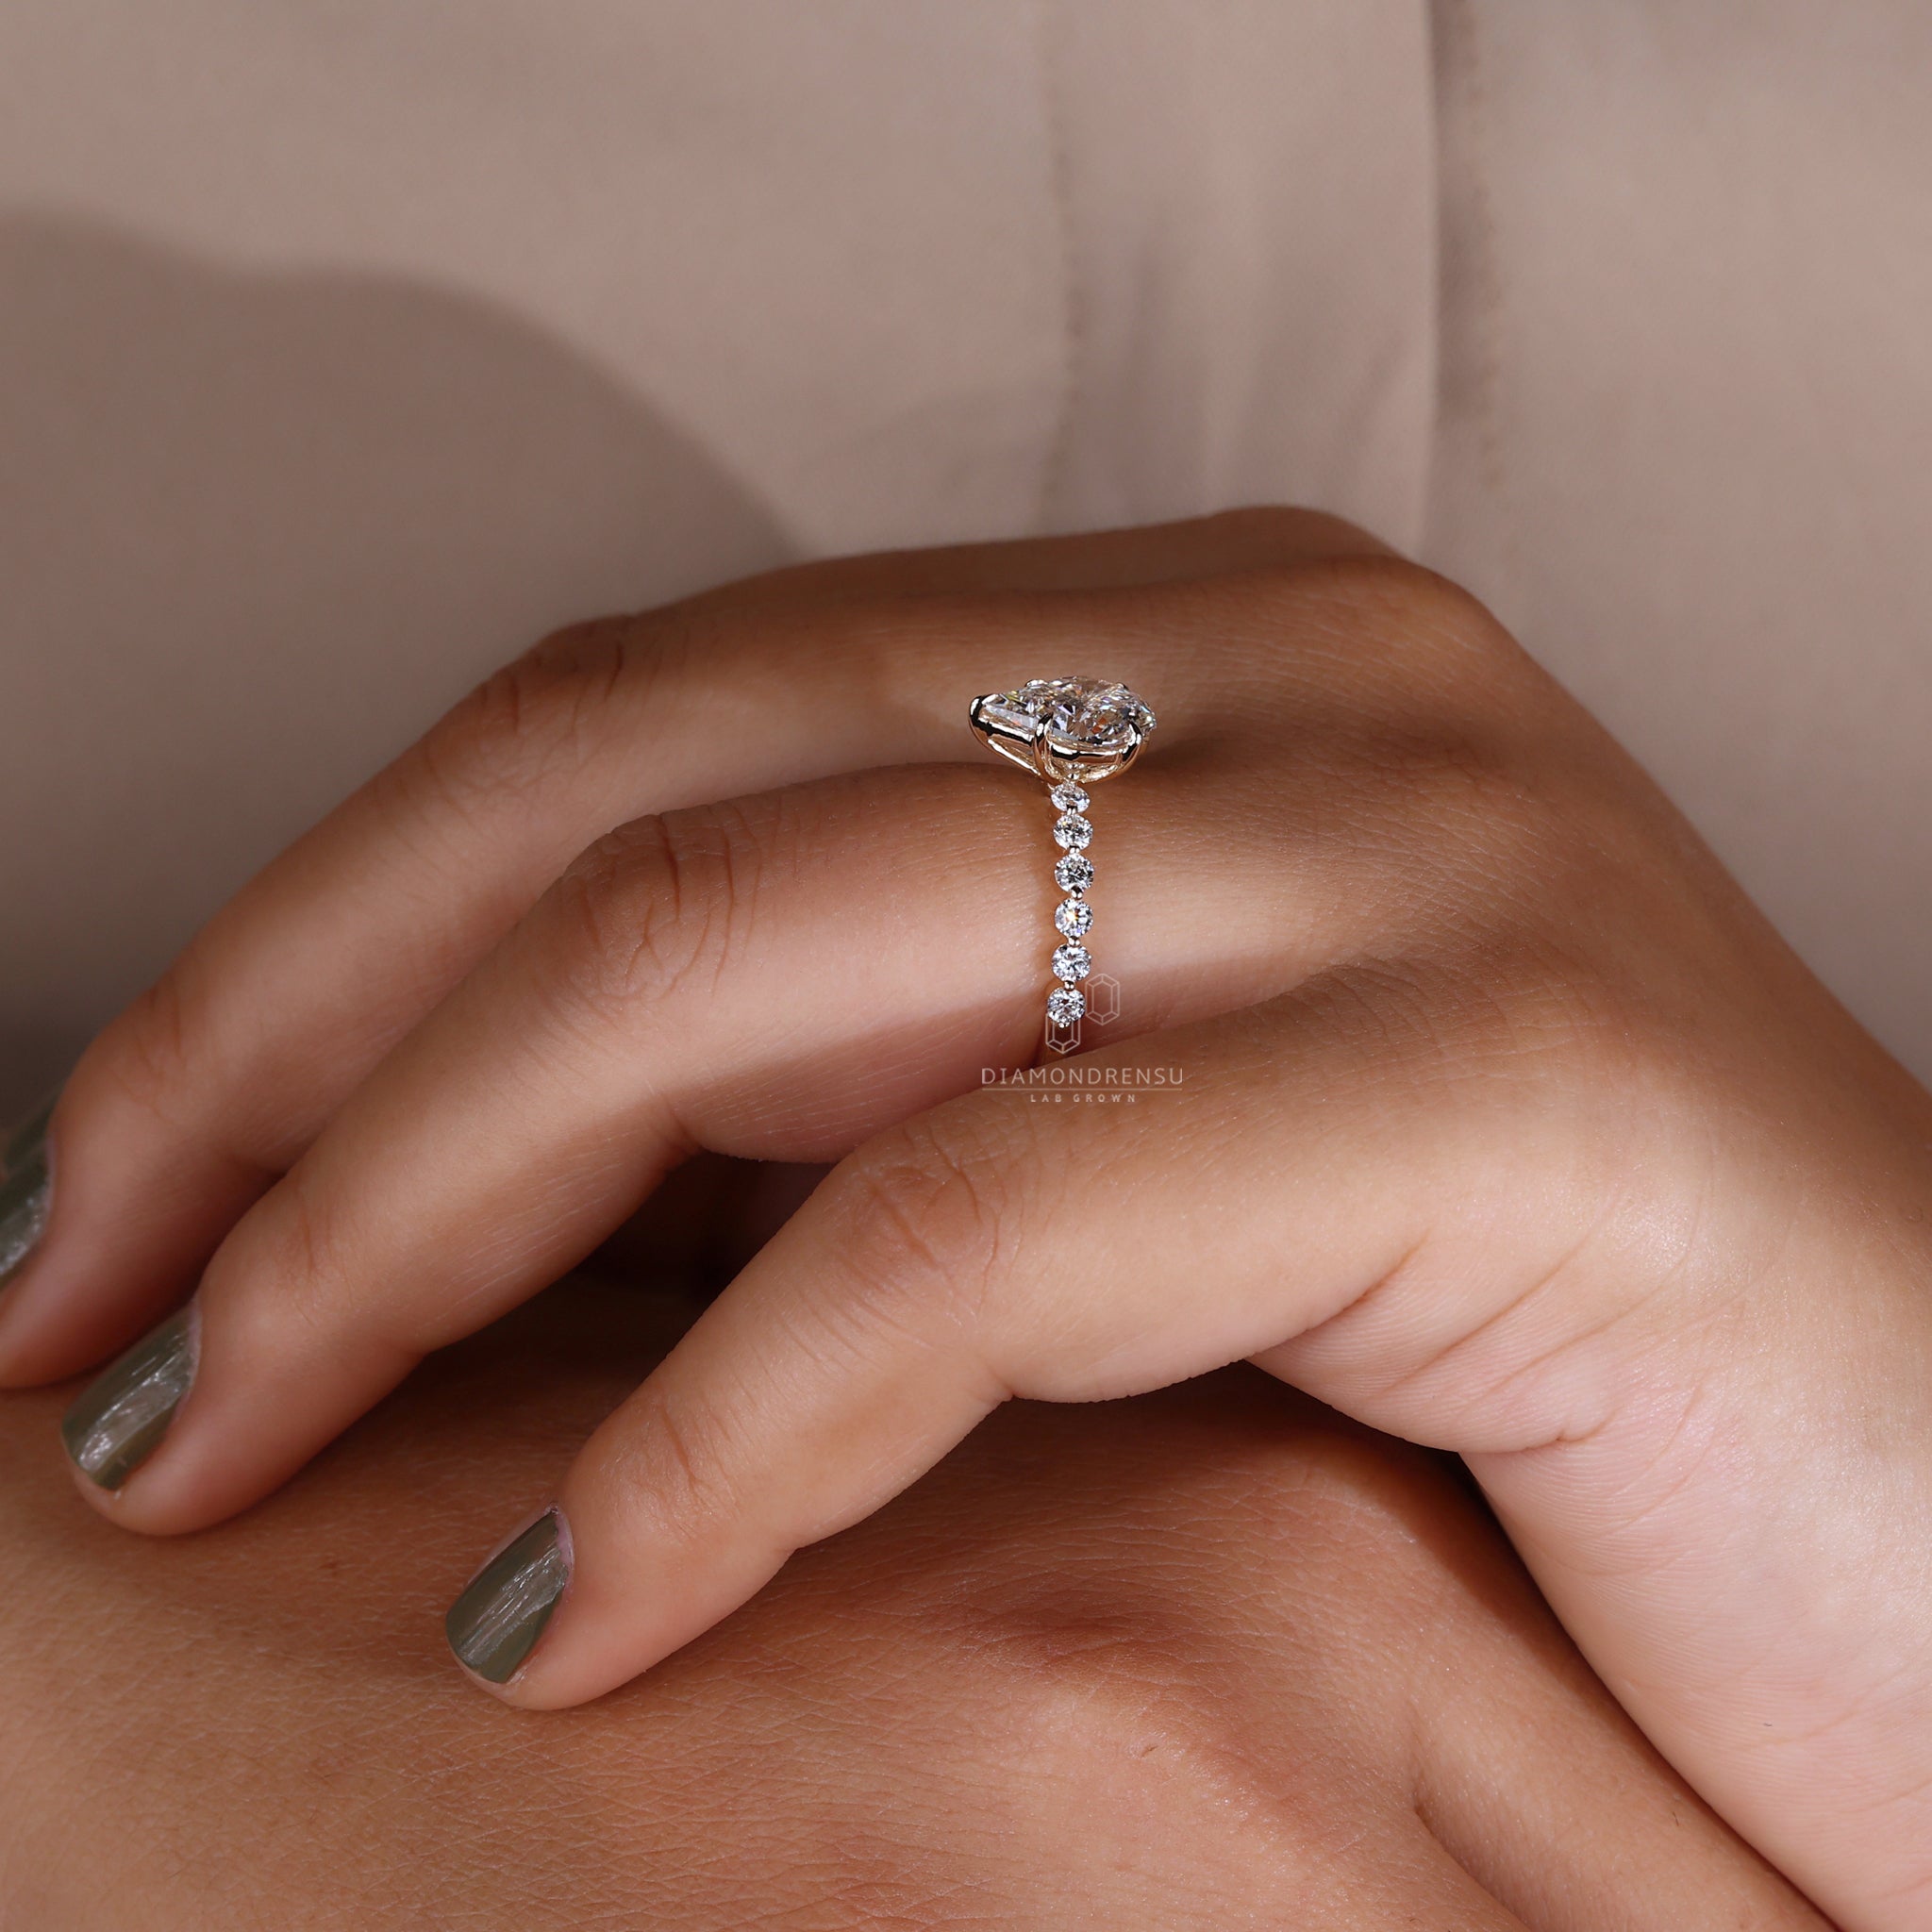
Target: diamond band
(1073,732)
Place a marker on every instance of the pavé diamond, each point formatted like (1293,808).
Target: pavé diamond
(1069,797)
(1074,917)
(1064,1005)
(1074,873)
(1072,961)
(1073,832)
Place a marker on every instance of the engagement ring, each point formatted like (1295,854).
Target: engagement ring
(1073,732)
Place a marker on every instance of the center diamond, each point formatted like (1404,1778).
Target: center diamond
(1071,731)
(1086,714)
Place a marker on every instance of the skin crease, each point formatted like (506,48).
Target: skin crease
(1510,1127)
(1209,1660)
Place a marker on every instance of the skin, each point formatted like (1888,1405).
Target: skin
(1211,1658)
(1508,1127)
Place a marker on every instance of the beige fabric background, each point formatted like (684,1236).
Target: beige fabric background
(346,346)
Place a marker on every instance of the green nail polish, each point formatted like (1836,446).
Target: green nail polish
(119,1422)
(496,1621)
(26,1188)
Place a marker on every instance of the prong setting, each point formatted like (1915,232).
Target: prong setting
(1073,732)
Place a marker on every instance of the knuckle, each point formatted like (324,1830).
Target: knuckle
(277,1283)
(1418,618)
(536,716)
(189,1056)
(647,912)
(1392,635)
(1087,1672)
(160,1045)
(676,1461)
(924,1213)
(1134,1703)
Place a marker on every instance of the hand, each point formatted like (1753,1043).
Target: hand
(1508,1127)
(1211,1658)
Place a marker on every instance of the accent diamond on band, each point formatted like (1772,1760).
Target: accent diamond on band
(1073,732)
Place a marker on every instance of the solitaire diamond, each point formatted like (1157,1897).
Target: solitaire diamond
(1073,731)
(1086,714)
(1064,1005)
(1074,873)
(1072,917)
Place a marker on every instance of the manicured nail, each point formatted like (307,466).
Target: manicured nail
(119,1422)
(25,1188)
(496,1621)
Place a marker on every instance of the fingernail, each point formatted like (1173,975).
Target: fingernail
(119,1422)
(496,1621)
(25,1188)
